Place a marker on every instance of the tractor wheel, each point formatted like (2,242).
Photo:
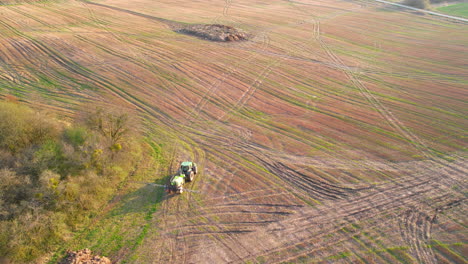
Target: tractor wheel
(190,177)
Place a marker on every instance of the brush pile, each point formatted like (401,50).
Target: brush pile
(214,32)
(84,256)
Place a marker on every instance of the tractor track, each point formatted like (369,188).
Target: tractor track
(416,229)
(202,213)
(252,88)
(250,91)
(352,76)
(226,7)
(169,23)
(219,237)
(379,208)
(378,205)
(387,114)
(77,69)
(25,48)
(215,86)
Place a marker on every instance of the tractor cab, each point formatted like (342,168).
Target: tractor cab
(185,174)
(186,166)
(189,169)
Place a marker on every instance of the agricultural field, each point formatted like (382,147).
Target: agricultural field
(336,133)
(460,9)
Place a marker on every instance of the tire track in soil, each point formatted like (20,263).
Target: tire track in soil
(405,185)
(226,179)
(17,74)
(250,207)
(262,76)
(180,237)
(250,91)
(99,81)
(221,237)
(174,209)
(254,86)
(376,205)
(232,70)
(226,7)
(27,74)
(40,21)
(351,74)
(242,195)
(386,114)
(308,187)
(415,228)
(135,60)
(102,25)
(418,234)
(164,211)
(199,156)
(218,157)
(417,179)
(171,24)
(224,231)
(315,189)
(176,235)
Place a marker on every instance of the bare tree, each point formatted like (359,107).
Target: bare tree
(112,125)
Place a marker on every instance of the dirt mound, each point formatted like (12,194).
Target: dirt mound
(214,32)
(83,257)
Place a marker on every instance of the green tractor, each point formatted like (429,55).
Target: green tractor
(186,173)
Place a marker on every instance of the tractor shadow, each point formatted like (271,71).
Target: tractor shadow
(143,199)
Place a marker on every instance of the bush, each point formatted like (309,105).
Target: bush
(421,4)
(76,136)
(20,127)
(53,178)
(13,190)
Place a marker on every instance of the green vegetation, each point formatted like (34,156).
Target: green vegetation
(460,10)
(55,177)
